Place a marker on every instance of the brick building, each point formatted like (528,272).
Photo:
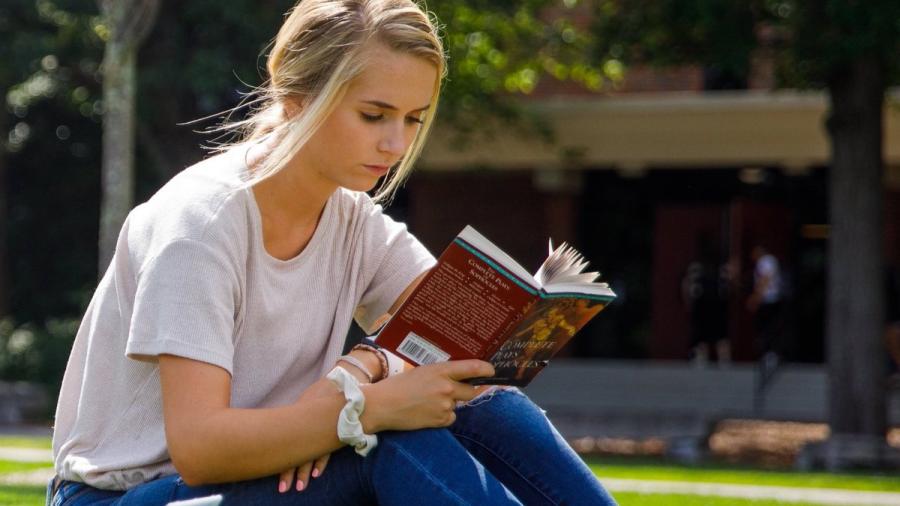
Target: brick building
(637,177)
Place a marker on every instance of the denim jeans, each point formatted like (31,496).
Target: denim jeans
(501,450)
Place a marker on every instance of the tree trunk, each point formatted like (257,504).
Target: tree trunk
(4,203)
(118,146)
(129,22)
(855,316)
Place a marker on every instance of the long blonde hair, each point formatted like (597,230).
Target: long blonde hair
(317,52)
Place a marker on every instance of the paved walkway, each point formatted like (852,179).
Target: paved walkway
(840,497)
(29,478)
(26,454)
(34,477)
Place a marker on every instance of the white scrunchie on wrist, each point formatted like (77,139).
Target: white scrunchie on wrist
(349,428)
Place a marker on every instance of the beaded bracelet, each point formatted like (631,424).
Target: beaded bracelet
(382,359)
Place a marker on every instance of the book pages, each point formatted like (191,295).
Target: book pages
(564,265)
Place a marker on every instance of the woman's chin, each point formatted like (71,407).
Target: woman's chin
(362,185)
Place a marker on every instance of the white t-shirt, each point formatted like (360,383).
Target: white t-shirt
(191,277)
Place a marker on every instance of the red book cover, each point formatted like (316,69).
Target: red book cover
(477,302)
(463,307)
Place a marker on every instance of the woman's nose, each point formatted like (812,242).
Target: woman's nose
(392,141)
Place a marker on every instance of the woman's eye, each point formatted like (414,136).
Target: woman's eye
(371,117)
(414,120)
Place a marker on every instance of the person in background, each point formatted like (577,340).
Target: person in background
(892,328)
(766,304)
(704,290)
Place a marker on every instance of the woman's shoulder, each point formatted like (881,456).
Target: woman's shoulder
(357,215)
(205,202)
(361,219)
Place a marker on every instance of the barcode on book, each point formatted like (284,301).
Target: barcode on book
(421,351)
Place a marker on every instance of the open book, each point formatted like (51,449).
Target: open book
(478,302)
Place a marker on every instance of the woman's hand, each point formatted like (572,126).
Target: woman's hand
(315,468)
(303,473)
(423,397)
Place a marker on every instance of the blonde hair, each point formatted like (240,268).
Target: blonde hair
(317,52)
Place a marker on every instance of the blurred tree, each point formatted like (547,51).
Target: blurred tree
(51,112)
(499,50)
(127,23)
(198,60)
(849,49)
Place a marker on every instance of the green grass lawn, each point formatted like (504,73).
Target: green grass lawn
(41,443)
(7,466)
(642,469)
(636,499)
(22,496)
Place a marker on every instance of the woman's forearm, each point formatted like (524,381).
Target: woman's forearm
(210,442)
(232,444)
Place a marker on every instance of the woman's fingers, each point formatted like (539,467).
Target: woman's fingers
(303,476)
(285,479)
(303,473)
(459,370)
(319,466)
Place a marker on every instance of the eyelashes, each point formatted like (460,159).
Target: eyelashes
(373,118)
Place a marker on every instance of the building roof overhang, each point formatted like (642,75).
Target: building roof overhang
(784,128)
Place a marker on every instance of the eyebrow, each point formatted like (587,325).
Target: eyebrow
(385,105)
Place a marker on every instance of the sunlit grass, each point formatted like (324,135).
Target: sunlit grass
(35,442)
(22,495)
(654,470)
(7,466)
(636,499)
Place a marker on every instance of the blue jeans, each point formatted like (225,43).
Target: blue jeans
(501,450)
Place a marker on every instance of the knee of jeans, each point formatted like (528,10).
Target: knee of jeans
(506,407)
(499,395)
(489,394)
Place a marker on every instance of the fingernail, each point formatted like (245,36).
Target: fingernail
(315,473)
(282,486)
(299,486)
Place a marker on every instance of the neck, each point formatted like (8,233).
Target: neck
(293,195)
(290,203)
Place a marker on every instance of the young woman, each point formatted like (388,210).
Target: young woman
(209,360)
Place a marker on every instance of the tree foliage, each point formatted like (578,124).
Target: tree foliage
(809,40)
(49,73)
(716,33)
(499,50)
(199,59)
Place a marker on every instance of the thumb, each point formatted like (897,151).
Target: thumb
(464,369)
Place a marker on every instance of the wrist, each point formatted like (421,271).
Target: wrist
(357,368)
(370,417)
(350,429)
(371,361)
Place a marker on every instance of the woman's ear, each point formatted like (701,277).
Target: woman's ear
(290,107)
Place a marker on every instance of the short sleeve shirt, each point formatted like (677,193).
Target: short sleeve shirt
(191,277)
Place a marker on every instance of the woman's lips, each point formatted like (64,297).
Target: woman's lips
(379,170)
